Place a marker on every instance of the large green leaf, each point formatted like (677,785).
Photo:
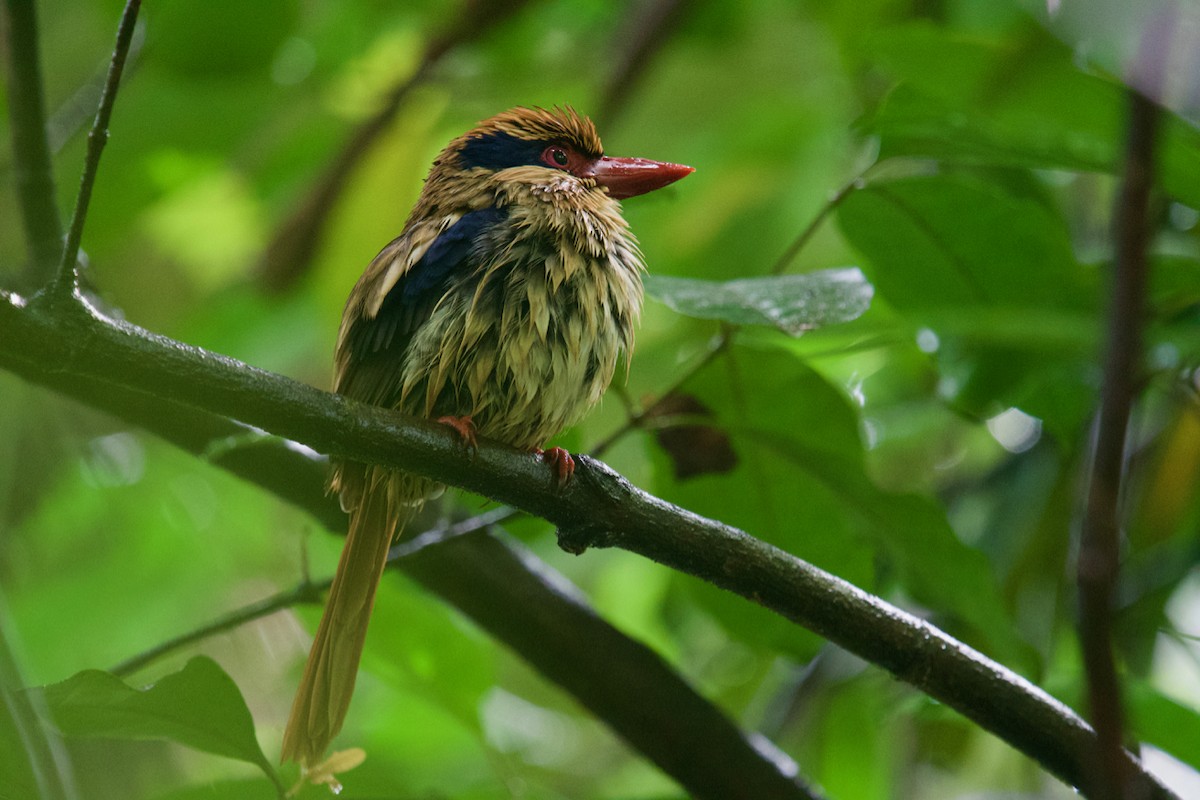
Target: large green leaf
(801,483)
(1165,723)
(956,240)
(989,268)
(199,706)
(1016,101)
(792,303)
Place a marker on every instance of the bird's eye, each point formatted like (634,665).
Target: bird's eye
(556,157)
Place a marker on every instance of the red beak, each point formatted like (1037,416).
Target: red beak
(629,177)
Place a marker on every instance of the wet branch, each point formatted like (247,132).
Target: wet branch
(73,346)
(499,584)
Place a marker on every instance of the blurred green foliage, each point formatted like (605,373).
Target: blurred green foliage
(931,451)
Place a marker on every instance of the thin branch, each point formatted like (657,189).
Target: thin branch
(1099,547)
(73,114)
(72,344)
(305,592)
(636,419)
(290,252)
(97,138)
(810,230)
(31,152)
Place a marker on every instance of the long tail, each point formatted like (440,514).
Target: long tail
(328,681)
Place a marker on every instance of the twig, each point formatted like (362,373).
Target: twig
(31,152)
(72,346)
(810,230)
(305,592)
(716,346)
(97,138)
(290,252)
(74,113)
(1099,547)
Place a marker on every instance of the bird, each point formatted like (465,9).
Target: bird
(502,310)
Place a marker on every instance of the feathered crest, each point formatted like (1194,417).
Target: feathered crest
(558,124)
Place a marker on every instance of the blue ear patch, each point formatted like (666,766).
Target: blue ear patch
(496,151)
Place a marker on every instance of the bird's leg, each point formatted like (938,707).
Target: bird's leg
(464,426)
(560,462)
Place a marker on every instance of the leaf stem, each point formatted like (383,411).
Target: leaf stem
(805,236)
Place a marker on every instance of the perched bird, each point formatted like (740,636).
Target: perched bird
(502,308)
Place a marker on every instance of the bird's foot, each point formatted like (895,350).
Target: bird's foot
(465,428)
(561,464)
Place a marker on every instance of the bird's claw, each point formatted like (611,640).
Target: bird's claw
(561,464)
(465,428)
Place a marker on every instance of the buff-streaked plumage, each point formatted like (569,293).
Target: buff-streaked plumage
(509,298)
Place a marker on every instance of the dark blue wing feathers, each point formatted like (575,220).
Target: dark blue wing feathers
(410,302)
(445,255)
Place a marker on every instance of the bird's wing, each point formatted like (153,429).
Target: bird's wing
(399,300)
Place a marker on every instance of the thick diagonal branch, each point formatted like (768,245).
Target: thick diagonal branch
(599,508)
(501,586)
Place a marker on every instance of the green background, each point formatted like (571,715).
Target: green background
(931,451)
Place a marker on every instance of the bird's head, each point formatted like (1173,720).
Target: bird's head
(549,150)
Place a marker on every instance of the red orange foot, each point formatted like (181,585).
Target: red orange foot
(464,427)
(561,464)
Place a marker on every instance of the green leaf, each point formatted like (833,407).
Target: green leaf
(851,755)
(801,483)
(947,240)
(199,706)
(1018,101)
(990,269)
(229,790)
(17,775)
(1165,723)
(32,765)
(792,303)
